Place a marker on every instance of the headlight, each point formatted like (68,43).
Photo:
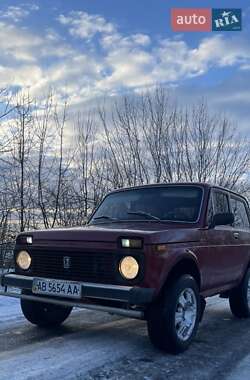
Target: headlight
(131,243)
(129,267)
(23,260)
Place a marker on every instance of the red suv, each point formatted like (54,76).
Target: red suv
(152,252)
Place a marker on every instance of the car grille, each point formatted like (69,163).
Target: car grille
(84,266)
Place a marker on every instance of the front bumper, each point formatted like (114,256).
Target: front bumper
(131,297)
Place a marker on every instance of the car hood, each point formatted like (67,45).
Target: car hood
(152,233)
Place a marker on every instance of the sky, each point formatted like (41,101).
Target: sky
(88,49)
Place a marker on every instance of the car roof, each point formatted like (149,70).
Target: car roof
(162,184)
(200,184)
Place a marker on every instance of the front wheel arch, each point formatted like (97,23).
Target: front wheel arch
(184,266)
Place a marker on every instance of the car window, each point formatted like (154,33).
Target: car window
(240,213)
(167,203)
(221,204)
(210,211)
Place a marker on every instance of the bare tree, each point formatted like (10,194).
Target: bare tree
(51,168)
(46,181)
(23,138)
(151,139)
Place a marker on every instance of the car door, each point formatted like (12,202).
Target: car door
(241,234)
(220,264)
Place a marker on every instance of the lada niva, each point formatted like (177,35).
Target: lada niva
(151,252)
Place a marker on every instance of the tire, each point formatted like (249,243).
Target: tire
(168,329)
(239,298)
(44,314)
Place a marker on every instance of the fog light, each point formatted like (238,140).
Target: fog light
(131,243)
(23,260)
(129,267)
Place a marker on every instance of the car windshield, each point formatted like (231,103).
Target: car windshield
(155,204)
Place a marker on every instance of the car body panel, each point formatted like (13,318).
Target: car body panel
(219,257)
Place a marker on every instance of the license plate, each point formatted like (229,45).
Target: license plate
(58,288)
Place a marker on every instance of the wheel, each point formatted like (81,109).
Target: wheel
(173,321)
(44,314)
(239,298)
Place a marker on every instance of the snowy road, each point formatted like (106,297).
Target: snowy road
(94,345)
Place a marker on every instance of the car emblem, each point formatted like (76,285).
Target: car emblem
(66,262)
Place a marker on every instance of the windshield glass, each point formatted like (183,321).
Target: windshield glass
(168,203)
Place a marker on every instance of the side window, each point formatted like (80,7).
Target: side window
(221,204)
(210,211)
(240,213)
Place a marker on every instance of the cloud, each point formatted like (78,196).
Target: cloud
(18,13)
(134,60)
(245,66)
(176,60)
(95,58)
(127,60)
(230,96)
(19,45)
(84,25)
(116,40)
(23,76)
(223,51)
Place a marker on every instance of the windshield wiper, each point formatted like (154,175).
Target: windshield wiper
(142,213)
(104,217)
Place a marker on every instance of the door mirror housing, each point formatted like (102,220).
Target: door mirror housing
(222,219)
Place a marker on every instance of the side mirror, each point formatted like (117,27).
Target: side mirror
(222,219)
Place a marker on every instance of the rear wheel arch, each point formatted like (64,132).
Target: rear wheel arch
(239,298)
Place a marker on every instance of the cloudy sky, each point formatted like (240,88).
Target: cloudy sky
(87,49)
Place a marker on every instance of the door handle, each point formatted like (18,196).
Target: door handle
(236,235)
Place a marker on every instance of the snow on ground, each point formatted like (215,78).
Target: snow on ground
(63,358)
(66,352)
(10,312)
(93,345)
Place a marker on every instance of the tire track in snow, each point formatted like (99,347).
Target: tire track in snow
(87,341)
(67,357)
